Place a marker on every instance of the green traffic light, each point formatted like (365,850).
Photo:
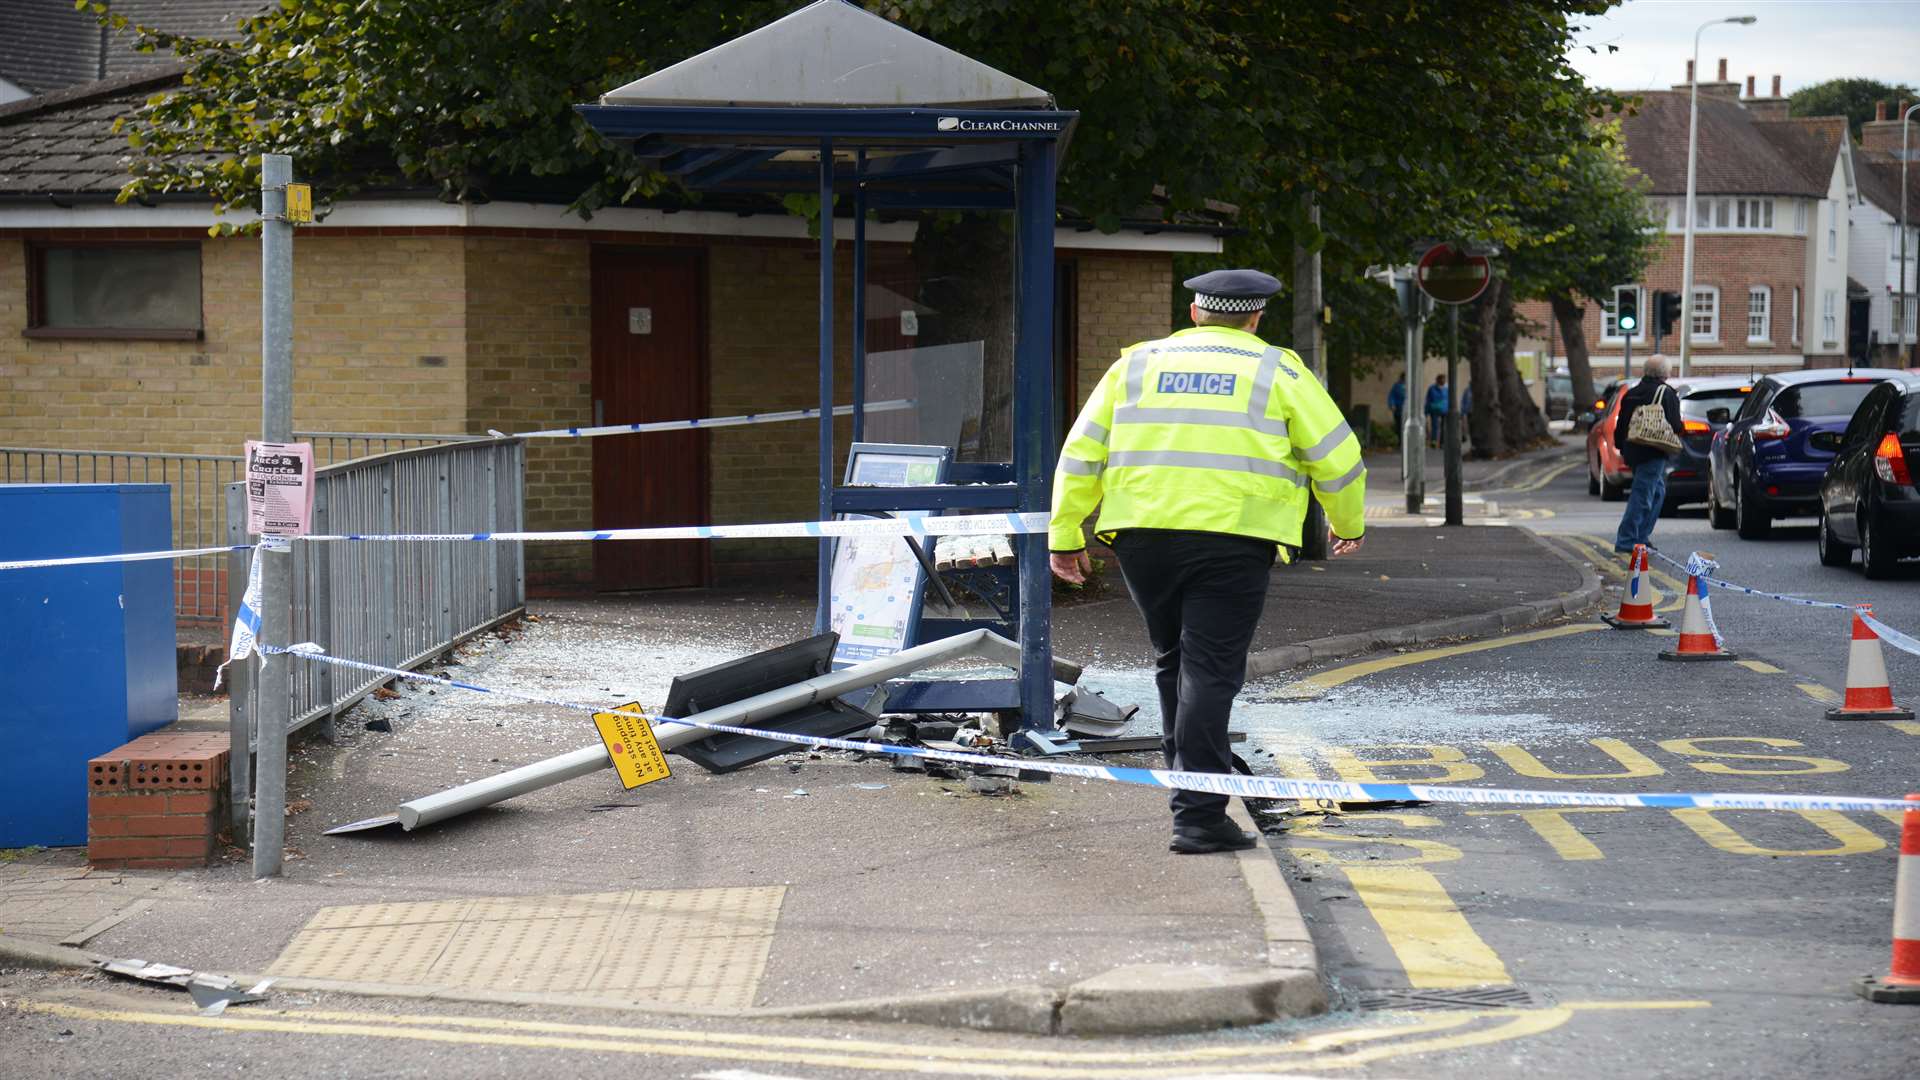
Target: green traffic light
(1628,322)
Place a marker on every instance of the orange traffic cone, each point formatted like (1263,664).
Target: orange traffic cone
(1901,985)
(1636,604)
(1869,697)
(1696,639)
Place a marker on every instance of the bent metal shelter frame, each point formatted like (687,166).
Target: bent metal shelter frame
(832,99)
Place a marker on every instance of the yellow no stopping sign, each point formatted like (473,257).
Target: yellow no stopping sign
(631,745)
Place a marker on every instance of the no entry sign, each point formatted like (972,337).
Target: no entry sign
(1452,276)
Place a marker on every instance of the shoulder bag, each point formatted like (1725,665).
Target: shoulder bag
(1649,426)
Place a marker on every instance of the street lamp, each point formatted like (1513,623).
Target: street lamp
(1906,294)
(1693,137)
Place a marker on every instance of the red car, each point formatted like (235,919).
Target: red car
(1607,472)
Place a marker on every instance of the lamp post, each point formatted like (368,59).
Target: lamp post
(1693,137)
(1906,292)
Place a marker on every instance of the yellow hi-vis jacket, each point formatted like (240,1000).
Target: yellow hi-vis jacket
(1210,430)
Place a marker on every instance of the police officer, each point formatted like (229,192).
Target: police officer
(1200,449)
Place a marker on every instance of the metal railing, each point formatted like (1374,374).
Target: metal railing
(399,604)
(330,447)
(198,483)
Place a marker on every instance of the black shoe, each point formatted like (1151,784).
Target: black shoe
(1226,836)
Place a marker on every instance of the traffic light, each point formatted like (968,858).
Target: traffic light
(1628,316)
(1666,312)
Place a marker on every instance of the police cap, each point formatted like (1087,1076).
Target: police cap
(1232,291)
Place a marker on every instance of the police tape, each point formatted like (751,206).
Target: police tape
(124,557)
(704,423)
(1251,787)
(1702,567)
(915,525)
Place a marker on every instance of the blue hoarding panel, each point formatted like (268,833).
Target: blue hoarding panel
(87,653)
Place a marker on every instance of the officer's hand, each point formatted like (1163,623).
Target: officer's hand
(1343,547)
(1071,567)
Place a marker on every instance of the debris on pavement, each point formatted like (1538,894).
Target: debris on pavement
(212,993)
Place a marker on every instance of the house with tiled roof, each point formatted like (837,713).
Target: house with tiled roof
(126,327)
(48,45)
(1771,235)
(1887,307)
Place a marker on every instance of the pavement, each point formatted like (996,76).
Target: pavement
(815,885)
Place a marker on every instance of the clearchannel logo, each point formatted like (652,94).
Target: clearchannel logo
(957,123)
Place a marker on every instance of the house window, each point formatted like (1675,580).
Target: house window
(1829,319)
(1609,327)
(1833,236)
(1799,217)
(1753,214)
(1720,214)
(1796,314)
(1759,307)
(115,291)
(1903,317)
(1704,321)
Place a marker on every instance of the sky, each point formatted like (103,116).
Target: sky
(1802,41)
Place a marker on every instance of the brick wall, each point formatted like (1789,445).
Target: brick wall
(387,310)
(764,345)
(379,344)
(1733,264)
(440,330)
(529,366)
(1124,298)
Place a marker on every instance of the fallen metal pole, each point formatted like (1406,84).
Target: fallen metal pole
(590,759)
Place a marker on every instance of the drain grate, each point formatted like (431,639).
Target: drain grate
(1447,999)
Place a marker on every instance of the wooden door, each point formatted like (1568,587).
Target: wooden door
(649,363)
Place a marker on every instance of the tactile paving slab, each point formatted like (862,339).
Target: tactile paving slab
(677,946)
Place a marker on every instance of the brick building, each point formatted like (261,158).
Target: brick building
(126,327)
(1771,236)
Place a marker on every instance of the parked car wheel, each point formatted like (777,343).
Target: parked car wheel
(1876,558)
(1832,551)
(1717,516)
(1593,481)
(1609,493)
(1752,518)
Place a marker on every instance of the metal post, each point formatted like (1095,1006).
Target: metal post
(1626,358)
(1455,511)
(1413,434)
(1033,405)
(241,682)
(859,297)
(276,579)
(1691,211)
(824,592)
(1309,342)
(1906,290)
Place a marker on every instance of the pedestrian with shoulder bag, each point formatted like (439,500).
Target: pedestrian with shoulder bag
(1646,438)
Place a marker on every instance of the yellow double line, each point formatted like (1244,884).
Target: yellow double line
(1399,1035)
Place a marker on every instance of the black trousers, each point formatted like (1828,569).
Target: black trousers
(1201,595)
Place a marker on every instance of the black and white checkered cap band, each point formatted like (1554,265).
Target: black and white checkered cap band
(1230,303)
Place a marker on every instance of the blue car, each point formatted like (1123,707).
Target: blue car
(1764,464)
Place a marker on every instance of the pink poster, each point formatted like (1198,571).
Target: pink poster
(279,488)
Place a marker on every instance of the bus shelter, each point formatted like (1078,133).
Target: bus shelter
(840,105)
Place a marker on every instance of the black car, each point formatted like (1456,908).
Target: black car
(1701,399)
(1868,499)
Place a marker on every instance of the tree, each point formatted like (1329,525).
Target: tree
(1590,230)
(1851,98)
